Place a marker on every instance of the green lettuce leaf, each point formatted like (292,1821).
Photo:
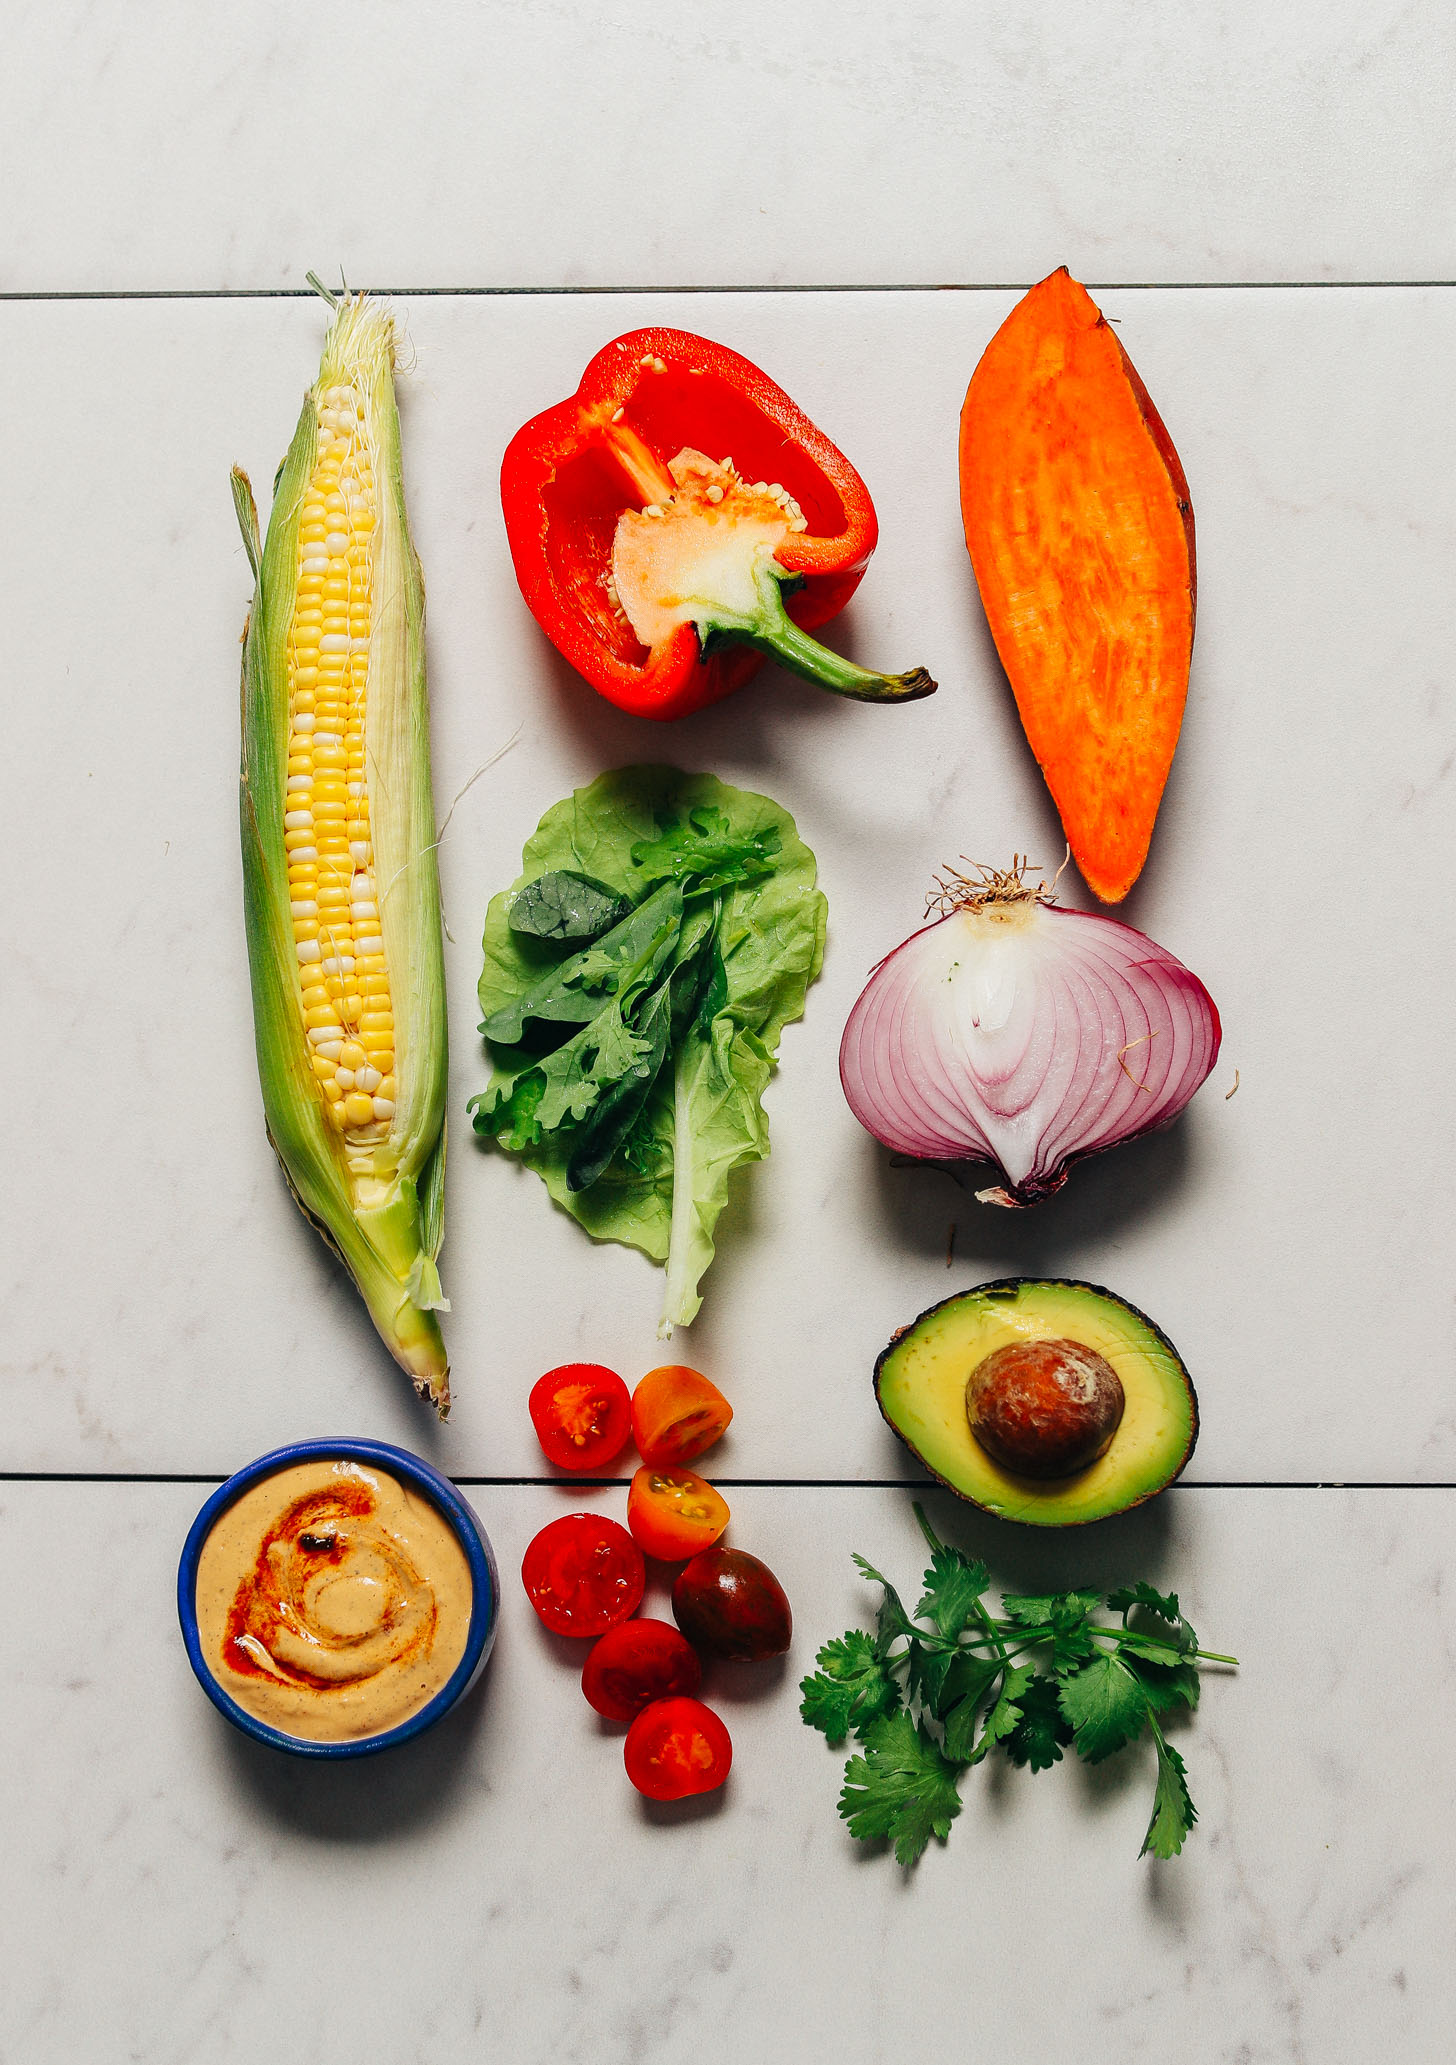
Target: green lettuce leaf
(664,1187)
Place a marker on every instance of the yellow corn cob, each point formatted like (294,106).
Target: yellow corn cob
(342,892)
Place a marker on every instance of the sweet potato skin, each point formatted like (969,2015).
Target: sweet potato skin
(1080,529)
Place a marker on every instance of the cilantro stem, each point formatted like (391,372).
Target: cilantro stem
(1175,1654)
(925,1527)
(993,1632)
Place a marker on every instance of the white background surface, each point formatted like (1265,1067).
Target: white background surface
(204,144)
(162,1308)
(499,1890)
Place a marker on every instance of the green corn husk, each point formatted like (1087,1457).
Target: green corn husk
(385,1227)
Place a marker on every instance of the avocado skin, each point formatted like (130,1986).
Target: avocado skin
(1010,1288)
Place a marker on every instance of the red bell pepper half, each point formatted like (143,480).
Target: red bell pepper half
(678,520)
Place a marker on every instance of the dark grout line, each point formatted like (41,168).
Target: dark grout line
(754,287)
(752,1483)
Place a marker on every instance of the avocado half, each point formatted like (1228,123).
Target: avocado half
(920,1383)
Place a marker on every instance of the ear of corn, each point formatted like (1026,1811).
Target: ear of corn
(341,888)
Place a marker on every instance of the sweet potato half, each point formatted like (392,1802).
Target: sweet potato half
(1080,530)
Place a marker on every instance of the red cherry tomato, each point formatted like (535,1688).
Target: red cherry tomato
(676,1747)
(636,1662)
(583,1574)
(676,1414)
(582,1415)
(674,1513)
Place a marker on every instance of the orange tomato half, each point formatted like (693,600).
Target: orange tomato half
(674,1513)
(676,1414)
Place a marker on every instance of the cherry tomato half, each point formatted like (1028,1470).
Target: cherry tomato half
(636,1662)
(676,1747)
(674,1513)
(582,1415)
(583,1574)
(676,1414)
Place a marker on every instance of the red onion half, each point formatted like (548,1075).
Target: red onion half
(1013,1032)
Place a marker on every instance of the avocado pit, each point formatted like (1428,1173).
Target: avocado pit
(1044,1408)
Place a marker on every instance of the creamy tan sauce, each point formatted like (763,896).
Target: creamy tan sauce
(332,1600)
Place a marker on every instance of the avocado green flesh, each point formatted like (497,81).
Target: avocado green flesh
(920,1381)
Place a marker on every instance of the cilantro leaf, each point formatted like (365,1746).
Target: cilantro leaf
(1038,1612)
(963,1695)
(901,1787)
(928,1664)
(1166,1685)
(1063,1620)
(1039,1736)
(960,1733)
(893,1621)
(1155,1648)
(968,1674)
(1071,1646)
(1005,1714)
(953,1584)
(850,1689)
(1173,1811)
(1105,1705)
(1163,1604)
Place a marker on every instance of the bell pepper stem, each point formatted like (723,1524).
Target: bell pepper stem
(773,631)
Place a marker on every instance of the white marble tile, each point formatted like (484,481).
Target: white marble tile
(173,1893)
(161,1304)
(548,142)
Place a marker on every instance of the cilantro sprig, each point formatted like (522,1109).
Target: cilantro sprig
(933,1692)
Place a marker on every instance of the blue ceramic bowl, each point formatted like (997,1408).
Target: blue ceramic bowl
(420,1476)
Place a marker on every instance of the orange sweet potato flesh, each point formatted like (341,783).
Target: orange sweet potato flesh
(1080,531)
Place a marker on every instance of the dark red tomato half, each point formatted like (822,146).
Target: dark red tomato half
(582,1414)
(636,1662)
(677,1747)
(583,1574)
